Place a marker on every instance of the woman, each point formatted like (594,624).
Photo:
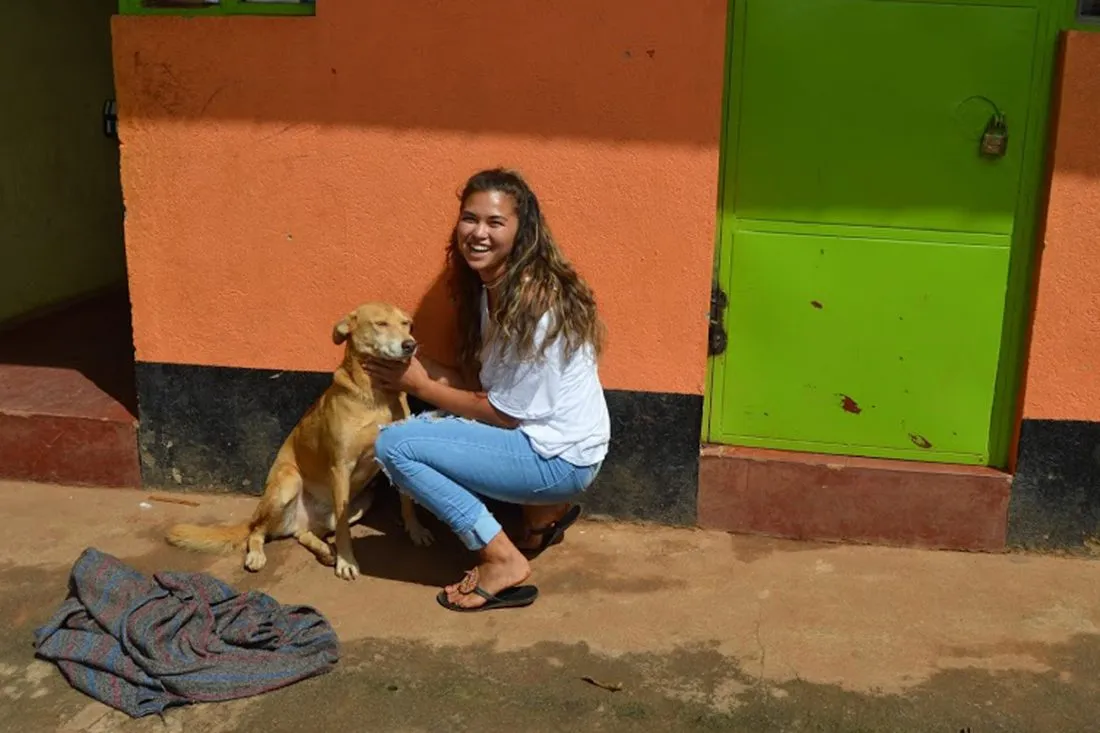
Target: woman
(531,427)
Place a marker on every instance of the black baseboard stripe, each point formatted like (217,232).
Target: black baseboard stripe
(1055,503)
(218,428)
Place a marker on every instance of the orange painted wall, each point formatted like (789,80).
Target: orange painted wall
(1063,374)
(277,171)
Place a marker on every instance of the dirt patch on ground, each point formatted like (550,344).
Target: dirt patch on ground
(391,685)
(703,631)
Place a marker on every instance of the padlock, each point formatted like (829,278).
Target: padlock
(995,138)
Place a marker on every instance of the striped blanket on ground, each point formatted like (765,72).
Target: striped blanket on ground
(141,644)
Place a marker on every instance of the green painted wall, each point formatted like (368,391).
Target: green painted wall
(60,198)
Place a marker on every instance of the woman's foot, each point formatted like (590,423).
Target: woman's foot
(537,520)
(502,566)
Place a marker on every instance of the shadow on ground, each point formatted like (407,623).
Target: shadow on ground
(386,552)
(385,684)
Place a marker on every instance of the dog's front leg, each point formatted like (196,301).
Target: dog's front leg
(346,567)
(418,533)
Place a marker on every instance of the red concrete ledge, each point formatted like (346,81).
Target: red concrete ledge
(822,497)
(67,396)
(56,426)
(71,451)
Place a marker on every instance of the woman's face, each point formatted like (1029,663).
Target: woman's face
(486,232)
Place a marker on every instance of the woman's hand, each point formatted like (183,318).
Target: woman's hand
(413,378)
(398,376)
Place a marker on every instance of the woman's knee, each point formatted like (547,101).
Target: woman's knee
(394,439)
(387,445)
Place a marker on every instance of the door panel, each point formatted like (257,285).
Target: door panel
(861,112)
(855,344)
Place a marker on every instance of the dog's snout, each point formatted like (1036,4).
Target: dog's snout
(408,346)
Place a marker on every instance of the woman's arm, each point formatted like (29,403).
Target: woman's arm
(445,374)
(465,403)
(416,379)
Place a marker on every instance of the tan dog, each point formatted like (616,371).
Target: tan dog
(328,459)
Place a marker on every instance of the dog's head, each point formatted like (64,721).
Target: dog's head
(380,330)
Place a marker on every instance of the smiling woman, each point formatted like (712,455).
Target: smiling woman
(529,423)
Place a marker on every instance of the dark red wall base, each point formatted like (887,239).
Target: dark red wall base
(67,397)
(56,426)
(818,497)
(65,450)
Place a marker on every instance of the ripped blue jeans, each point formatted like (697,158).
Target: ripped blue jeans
(446,463)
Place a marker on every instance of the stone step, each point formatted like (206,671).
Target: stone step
(809,496)
(67,404)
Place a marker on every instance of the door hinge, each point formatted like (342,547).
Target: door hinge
(716,335)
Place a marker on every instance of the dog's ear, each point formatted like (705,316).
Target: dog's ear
(341,330)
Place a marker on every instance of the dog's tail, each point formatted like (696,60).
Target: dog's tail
(217,539)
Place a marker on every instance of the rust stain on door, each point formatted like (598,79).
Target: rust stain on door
(849,405)
(920,441)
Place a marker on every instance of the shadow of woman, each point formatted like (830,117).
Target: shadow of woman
(388,552)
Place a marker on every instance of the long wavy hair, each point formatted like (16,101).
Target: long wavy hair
(538,279)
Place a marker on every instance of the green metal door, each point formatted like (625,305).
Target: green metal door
(872,258)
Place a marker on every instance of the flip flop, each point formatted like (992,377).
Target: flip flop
(552,533)
(515,597)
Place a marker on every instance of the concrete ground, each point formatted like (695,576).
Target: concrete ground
(703,631)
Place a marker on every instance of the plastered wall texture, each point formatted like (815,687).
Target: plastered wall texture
(277,171)
(1063,374)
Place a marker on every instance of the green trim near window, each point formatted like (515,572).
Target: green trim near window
(223,7)
(1071,19)
(716,264)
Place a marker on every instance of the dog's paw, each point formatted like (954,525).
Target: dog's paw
(420,535)
(255,561)
(326,557)
(346,570)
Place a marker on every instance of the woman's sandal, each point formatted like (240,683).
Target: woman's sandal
(553,533)
(517,596)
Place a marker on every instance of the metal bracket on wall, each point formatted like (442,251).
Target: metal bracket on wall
(716,335)
(110,119)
